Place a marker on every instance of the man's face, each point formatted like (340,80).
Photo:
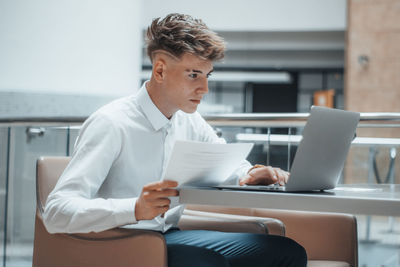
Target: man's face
(186,82)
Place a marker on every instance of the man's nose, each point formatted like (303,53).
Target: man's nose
(204,87)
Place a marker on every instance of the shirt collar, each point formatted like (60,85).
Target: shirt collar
(152,113)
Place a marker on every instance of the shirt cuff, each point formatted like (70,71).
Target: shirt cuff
(126,211)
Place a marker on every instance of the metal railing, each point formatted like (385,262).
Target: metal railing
(367,119)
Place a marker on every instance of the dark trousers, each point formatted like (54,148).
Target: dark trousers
(197,248)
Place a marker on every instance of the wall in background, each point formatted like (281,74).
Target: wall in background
(256,15)
(70,46)
(63,50)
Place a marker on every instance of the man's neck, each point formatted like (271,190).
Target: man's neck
(155,92)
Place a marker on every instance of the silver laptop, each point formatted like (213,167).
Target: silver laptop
(321,153)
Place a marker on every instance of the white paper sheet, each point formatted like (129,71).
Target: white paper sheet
(204,164)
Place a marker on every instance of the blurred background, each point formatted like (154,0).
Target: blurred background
(62,60)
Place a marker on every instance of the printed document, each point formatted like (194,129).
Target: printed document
(204,164)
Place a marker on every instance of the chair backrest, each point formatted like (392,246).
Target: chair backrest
(114,247)
(48,170)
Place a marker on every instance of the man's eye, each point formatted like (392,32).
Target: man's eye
(193,75)
(208,75)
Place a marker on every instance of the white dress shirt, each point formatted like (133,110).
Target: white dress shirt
(121,147)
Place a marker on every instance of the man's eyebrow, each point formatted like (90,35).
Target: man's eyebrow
(199,71)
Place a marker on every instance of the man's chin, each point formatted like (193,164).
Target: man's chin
(189,110)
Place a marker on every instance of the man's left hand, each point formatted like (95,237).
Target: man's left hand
(265,175)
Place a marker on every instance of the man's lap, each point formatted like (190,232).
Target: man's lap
(238,249)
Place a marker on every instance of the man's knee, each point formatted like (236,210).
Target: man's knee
(268,250)
(184,255)
(295,253)
(284,251)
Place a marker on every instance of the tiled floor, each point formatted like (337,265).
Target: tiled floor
(380,249)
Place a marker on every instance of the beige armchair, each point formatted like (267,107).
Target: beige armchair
(121,247)
(329,239)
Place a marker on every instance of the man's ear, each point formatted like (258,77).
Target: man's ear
(159,68)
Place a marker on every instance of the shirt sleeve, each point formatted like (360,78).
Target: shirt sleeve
(72,206)
(207,134)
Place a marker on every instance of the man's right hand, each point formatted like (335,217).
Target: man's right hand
(154,199)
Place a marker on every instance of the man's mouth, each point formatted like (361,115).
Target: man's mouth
(196,101)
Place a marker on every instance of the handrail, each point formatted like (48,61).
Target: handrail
(296,116)
(367,119)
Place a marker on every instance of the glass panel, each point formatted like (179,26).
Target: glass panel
(26,146)
(270,144)
(374,157)
(3,184)
(73,135)
(379,240)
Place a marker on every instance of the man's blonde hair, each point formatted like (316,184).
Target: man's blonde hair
(178,34)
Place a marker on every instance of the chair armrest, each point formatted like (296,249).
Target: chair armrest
(191,220)
(116,247)
(325,236)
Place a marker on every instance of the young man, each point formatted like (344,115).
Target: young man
(122,150)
